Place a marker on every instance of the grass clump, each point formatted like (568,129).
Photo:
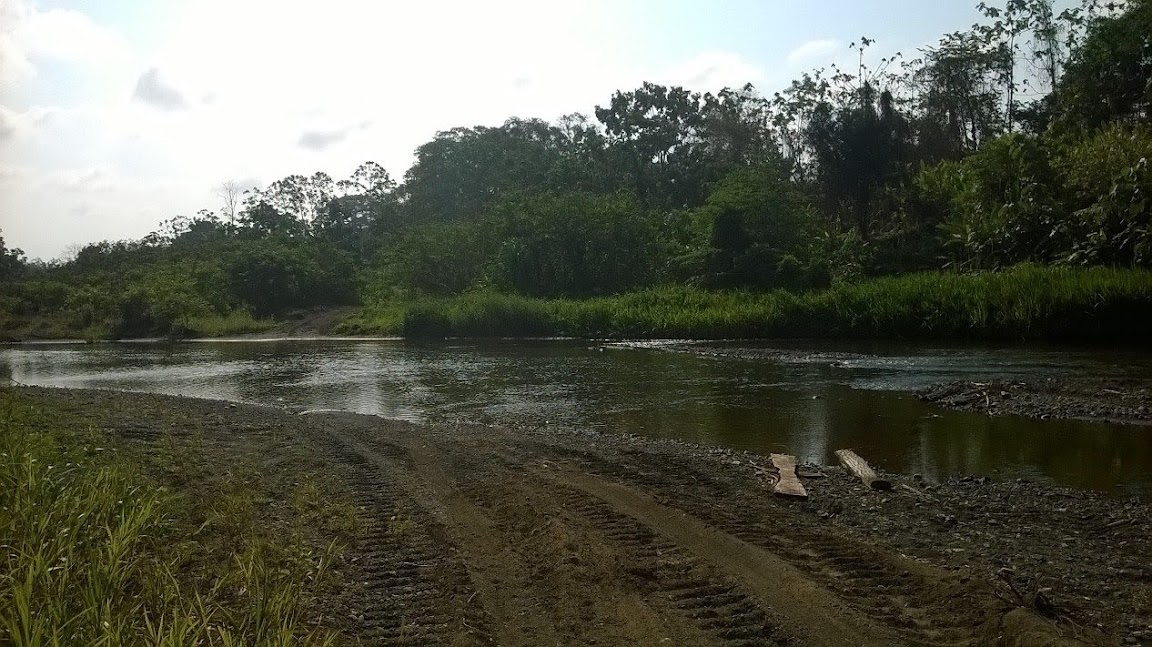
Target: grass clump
(93,551)
(1027,302)
(237,322)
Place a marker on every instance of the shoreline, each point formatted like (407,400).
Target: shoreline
(487,505)
(1117,401)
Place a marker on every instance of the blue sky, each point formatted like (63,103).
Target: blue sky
(117,114)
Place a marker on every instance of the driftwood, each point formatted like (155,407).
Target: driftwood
(788,484)
(920,493)
(861,470)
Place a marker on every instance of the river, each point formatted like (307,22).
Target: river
(808,403)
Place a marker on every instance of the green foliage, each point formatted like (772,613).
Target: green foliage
(462,172)
(96,553)
(436,259)
(1002,208)
(1025,302)
(1107,78)
(1110,188)
(573,245)
(276,275)
(11,262)
(760,227)
(891,167)
(234,323)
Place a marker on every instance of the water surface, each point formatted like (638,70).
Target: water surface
(809,405)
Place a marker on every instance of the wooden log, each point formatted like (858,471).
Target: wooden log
(860,468)
(788,484)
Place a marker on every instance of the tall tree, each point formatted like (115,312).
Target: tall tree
(960,84)
(654,139)
(11,261)
(462,172)
(1109,77)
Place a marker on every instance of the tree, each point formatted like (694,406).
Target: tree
(263,219)
(759,225)
(230,194)
(574,244)
(861,149)
(298,196)
(960,83)
(368,210)
(653,139)
(736,131)
(1108,77)
(462,172)
(11,261)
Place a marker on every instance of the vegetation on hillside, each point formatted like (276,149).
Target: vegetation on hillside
(1023,139)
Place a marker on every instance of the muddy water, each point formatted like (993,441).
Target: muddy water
(804,402)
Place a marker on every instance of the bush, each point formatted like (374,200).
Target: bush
(1110,188)
(1001,203)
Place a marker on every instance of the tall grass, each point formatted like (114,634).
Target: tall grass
(238,322)
(1025,302)
(94,553)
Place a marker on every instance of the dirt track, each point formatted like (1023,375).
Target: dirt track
(478,536)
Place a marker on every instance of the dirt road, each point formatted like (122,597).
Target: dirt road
(524,538)
(486,536)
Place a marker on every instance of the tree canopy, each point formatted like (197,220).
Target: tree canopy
(1024,137)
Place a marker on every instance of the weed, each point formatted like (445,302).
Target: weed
(1025,302)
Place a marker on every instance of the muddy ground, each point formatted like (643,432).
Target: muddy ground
(1126,401)
(475,535)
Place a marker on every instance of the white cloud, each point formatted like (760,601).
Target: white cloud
(712,71)
(814,52)
(28,34)
(8,125)
(15,124)
(68,35)
(47,211)
(292,90)
(156,91)
(14,62)
(319,140)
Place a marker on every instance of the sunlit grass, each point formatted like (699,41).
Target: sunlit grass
(93,552)
(1025,302)
(238,322)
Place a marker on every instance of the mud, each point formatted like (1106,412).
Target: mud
(1086,399)
(477,535)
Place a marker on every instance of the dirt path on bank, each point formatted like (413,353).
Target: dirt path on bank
(483,536)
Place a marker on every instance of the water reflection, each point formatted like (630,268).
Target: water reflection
(808,408)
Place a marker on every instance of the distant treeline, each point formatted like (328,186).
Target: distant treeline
(1023,139)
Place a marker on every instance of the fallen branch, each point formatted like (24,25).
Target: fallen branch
(860,468)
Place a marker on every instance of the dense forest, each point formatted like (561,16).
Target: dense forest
(1023,139)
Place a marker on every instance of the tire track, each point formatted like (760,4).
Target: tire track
(683,583)
(412,589)
(900,595)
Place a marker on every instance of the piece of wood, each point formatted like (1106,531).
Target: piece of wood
(788,484)
(920,493)
(860,468)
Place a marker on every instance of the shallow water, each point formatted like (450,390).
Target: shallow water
(808,403)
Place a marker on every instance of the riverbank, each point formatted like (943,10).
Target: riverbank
(1026,302)
(482,535)
(1122,401)
(125,522)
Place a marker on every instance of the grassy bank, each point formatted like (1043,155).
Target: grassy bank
(1025,302)
(22,328)
(110,543)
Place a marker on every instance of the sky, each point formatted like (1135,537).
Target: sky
(118,114)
